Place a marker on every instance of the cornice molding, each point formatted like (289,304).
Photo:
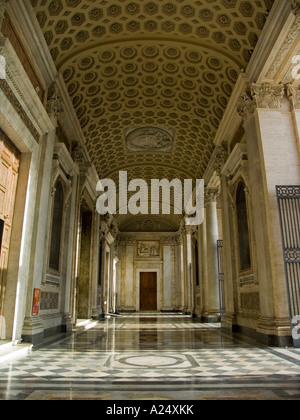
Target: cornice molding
(23,90)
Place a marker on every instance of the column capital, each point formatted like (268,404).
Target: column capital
(189,230)
(264,96)
(246,105)
(78,153)
(179,240)
(129,240)
(211,195)
(55,106)
(267,95)
(168,241)
(220,159)
(294,96)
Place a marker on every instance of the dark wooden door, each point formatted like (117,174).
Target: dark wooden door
(148,292)
(9,170)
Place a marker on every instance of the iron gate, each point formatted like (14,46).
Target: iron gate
(289,210)
(221,278)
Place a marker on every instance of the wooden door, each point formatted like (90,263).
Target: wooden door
(148,292)
(9,168)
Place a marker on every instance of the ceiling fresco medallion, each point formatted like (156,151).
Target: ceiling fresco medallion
(150,139)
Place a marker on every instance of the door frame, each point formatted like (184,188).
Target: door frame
(153,276)
(159,286)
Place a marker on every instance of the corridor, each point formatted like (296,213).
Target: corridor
(152,357)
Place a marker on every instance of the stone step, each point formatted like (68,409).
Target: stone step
(85,324)
(9,351)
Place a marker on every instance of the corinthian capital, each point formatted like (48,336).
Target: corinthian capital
(211,195)
(246,105)
(220,160)
(267,95)
(55,102)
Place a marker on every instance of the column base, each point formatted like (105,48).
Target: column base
(274,332)
(127,310)
(67,324)
(33,331)
(211,317)
(229,323)
(268,331)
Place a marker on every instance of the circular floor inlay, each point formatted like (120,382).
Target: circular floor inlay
(151,361)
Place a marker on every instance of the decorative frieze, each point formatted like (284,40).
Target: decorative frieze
(287,44)
(148,249)
(295,5)
(4,86)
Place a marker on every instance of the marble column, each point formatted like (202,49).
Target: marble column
(202,268)
(122,250)
(33,329)
(95,263)
(230,275)
(21,241)
(189,270)
(270,135)
(212,313)
(167,270)
(130,304)
(108,281)
(70,241)
(179,274)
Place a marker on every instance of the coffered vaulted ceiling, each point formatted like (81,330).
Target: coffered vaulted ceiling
(170,65)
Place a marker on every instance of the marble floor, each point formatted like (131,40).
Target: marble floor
(153,357)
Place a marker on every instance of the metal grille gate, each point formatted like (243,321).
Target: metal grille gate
(289,210)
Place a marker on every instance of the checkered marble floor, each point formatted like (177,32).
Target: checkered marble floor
(134,358)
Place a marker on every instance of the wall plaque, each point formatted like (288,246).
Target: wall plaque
(148,249)
(150,139)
